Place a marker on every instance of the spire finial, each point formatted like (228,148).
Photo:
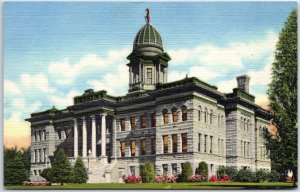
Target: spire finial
(147,17)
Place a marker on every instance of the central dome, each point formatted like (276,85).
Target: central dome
(148,41)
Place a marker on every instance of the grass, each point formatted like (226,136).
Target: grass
(200,185)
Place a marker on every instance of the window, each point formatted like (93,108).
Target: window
(143,121)
(248,150)
(153,146)
(165,116)
(40,135)
(149,75)
(211,146)
(122,146)
(174,169)
(211,117)
(153,120)
(35,173)
(205,115)
(132,148)
(244,148)
(184,113)
(205,140)
(184,142)
(199,113)
(218,120)
(244,124)
(165,143)
(174,143)
(144,147)
(165,168)
(132,170)
(132,123)
(199,142)
(248,125)
(174,115)
(122,122)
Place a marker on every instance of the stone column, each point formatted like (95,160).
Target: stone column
(93,136)
(38,155)
(130,75)
(113,138)
(32,156)
(75,138)
(158,74)
(84,138)
(103,134)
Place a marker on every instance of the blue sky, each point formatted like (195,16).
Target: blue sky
(54,50)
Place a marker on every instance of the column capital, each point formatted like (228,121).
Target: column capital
(83,118)
(92,116)
(103,114)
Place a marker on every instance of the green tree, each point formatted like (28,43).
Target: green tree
(229,171)
(186,172)
(147,172)
(202,169)
(61,171)
(282,94)
(14,171)
(80,174)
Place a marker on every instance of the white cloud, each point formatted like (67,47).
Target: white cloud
(228,57)
(63,101)
(226,86)
(261,77)
(11,87)
(67,71)
(37,81)
(114,83)
(19,109)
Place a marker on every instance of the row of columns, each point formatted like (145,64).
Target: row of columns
(84,136)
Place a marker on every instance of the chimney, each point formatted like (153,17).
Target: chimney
(243,82)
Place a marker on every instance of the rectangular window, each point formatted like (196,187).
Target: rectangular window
(165,168)
(153,120)
(175,116)
(122,122)
(132,148)
(184,142)
(165,143)
(184,114)
(143,121)
(132,123)
(205,140)
(174,142)
(199,142)
(174,169)
(132,170)
(149,75)
(143,147)
(153,146)
(166,117)
(122,148)
(211,142)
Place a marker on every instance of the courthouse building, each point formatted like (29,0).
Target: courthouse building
(168,123)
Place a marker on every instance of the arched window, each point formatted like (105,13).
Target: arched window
(222,120)
(199,113)
(245,124)
(184,113)
(205,115)
(174,114)
(40,135)
(165,116)
(211,117)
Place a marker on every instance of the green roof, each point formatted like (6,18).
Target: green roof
(147,35)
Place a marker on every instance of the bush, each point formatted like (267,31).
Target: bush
(147,172)
(80,174)
(225,170)
(186,172)
(202,169)
(245,176)
(261,175)
(197,178)
(213,178)
(224,178)
(274,176)
(132,179)
(165,178)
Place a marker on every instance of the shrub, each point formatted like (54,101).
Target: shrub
(261,175)
(147,172)
(80,174)
(197,178)
(202,169)
(132,179)
(274,176)
(186,172)
(46,173)
(213,178)
(224,178)
(245,176)
(165,178)
(225,170)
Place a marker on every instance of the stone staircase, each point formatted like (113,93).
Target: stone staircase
(99,170)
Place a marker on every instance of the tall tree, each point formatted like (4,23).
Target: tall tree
(61,170)
(282,94)
(14,171)
(79,172)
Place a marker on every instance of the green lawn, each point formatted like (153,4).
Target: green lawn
(202,185)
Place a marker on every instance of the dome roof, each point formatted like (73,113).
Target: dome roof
(148,41)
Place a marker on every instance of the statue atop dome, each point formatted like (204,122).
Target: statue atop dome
(147,17)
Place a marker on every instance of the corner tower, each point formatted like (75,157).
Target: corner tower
(148,61)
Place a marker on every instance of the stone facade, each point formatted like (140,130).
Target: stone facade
(166,123)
